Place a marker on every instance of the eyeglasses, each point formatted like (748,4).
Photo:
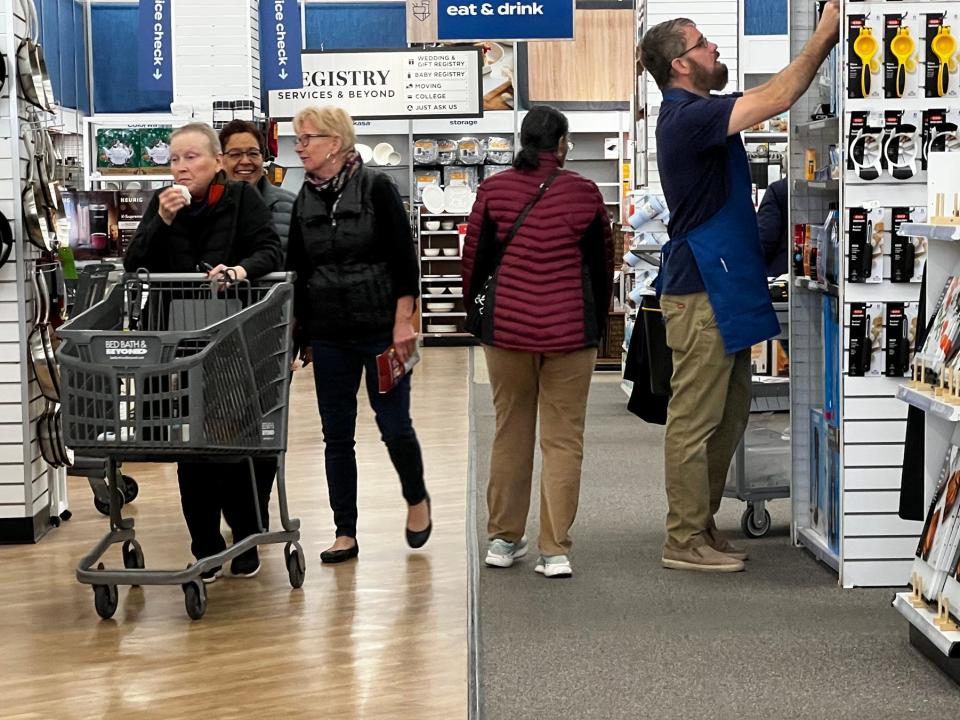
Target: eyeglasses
(570,144)
(304,139)
(237,154)
(701,43)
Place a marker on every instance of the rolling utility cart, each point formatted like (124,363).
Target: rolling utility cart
(760,470)
(175,367)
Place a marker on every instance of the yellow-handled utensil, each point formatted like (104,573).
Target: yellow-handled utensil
(944,45)
(902,46)
(866,48)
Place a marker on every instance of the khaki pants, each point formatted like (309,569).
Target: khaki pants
(706,417)
(559,384)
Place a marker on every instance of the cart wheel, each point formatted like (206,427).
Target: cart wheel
(104,507)
(296,567)
(195,599)
(66,515)
(105,599)
(55,520)
(754,525)
(130,489)
(133,555)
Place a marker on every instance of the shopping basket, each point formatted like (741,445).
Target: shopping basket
(177,367)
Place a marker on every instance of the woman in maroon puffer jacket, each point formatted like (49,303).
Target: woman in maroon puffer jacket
(548,307)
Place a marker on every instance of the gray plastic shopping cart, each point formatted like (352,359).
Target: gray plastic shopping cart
(175,367)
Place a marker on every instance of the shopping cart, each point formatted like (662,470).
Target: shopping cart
(176,367)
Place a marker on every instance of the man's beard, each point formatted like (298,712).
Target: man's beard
(717,80)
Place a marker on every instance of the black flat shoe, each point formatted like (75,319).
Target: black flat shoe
(419,539)
(331,557)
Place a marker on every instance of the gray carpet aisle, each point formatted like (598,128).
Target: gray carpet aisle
(625,638)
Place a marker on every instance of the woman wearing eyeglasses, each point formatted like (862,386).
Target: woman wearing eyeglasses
(357,285)
(244,151)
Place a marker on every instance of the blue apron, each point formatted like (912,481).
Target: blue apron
(730,259)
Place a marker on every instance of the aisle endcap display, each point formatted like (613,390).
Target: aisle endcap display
(932,402)
(926,621)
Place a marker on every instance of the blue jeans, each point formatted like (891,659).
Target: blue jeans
(337,367)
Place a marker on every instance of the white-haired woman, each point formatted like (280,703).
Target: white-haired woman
(222,225)
(357,284)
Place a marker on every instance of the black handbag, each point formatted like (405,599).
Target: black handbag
(479,322)
(658,352)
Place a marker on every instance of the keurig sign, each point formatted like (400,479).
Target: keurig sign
(388,84)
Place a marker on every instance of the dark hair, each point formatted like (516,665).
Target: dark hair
(541,131)
(660,46)
(237,127)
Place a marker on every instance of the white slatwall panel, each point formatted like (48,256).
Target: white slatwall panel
(255,53)
(212,52)
(718,20)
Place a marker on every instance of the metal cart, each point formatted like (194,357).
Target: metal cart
(773,483)
(90,288)
(172,367)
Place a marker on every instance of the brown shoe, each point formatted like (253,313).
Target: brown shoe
(718,542)
(702,559)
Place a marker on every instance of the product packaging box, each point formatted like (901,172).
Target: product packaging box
(93,221)
(118,151)
(154,144)
(833,489)
(901,61)
(867,336)
(760,358)
(779,359)
(939,80)
(937,547)
(828,255)
(832,360)
(908,254)
(943,332)
(865,57)
(816,498)
(901,331)
(865,135)
(131,206)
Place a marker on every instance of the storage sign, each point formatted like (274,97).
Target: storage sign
(432,20)
(401,84)
(154,47)
(280,66)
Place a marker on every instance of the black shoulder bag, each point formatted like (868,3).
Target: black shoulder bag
(479,321)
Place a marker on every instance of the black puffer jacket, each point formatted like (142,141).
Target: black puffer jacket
(236,230)
(354,257)
(280,202)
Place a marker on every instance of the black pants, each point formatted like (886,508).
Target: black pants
(337,367)
(207,489)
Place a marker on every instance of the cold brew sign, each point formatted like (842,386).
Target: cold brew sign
(388,84)
(445,20)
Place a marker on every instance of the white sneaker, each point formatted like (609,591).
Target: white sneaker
(501,553)
(554,566)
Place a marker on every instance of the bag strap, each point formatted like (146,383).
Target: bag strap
(544,186)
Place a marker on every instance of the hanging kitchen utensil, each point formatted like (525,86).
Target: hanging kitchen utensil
(45,89)
(6,239)
(66,454)
(902,45)
(3,72)
(44,440)
(944,45)
(29,77)
(866,48)
(42,357)
(52,198)
(31,200)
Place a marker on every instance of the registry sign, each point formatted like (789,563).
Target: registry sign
(400,84)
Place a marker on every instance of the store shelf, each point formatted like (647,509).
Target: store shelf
(806,283)
(98,177)
(922,619)
(646,248)
(445,214)
(441,297)
(946,233)
(929,403)
(766,137)
(821,185)
(817,125)
(441,257)
(818,546)
(444,314)
(439,232)
(607,184)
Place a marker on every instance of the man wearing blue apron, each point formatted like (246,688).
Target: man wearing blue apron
(713,281)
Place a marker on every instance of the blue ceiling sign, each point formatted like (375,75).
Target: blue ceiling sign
(280,36)
(505,20)
(154,47)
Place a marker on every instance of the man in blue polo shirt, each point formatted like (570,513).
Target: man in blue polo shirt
(713,281)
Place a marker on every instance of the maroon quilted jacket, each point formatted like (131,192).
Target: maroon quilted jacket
(554,284)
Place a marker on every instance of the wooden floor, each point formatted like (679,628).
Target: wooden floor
(384,637)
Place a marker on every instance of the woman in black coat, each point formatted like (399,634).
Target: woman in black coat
(223,226)
(356,291)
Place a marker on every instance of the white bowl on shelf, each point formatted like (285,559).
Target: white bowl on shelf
(394,158)
(382,152)
(447,224)
(450,252)
(432,224)
(440,307)
(455,290)
(441,328)
(436,289)
(431,252)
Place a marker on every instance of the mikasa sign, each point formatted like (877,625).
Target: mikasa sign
(388,84)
